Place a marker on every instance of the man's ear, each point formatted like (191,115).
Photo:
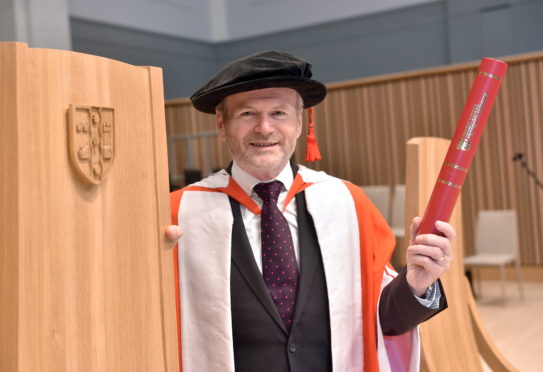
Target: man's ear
(300,125)
(220,125)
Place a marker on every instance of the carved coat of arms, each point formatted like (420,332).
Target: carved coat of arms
(91,141)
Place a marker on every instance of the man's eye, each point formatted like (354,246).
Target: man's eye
(278,113)
(246,113)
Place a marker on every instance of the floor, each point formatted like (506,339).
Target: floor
(516,326)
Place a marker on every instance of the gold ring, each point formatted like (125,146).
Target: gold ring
(442,257)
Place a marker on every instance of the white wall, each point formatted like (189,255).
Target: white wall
(182,18)
(225,20)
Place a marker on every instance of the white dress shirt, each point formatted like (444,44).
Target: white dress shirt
(252,221)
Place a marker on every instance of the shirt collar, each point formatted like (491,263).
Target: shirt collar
(247,181)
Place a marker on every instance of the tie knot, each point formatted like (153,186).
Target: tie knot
(269,190)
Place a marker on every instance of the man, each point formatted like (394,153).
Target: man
(282,268)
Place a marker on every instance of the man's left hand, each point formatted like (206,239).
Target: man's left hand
(428,256)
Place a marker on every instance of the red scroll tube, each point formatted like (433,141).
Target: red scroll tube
(464,144)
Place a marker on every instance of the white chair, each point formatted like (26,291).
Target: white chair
(380,196)
(496,244)
(397,220)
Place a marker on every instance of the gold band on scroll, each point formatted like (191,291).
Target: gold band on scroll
(455,166)
(490,75)
(448,183)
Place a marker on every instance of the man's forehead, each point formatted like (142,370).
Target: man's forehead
(281,95)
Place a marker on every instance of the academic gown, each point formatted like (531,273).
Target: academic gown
(355,244)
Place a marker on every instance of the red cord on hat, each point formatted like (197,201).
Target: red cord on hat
(312,152)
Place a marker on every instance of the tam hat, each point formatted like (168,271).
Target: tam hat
(267,69)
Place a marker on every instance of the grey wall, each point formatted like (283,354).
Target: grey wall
(480,28)
(39,23)
(403,39)
(432,34)
(194,19)
(185,63)
(248,18)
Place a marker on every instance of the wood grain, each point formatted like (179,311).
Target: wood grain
(92,275)
(448,342)
(9,214)
(453,340)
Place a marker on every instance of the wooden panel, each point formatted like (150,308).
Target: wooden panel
(9,215)
(167,264)
(362,127)
(95,275)
(448,341)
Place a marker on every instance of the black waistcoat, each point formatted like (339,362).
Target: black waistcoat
(261,342)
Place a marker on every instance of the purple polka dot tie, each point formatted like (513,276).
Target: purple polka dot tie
(279,267)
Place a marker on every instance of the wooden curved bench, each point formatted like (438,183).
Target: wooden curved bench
(455,339)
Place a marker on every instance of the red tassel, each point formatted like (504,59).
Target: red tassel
(312,152)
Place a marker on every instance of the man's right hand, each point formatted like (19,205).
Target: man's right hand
(174,233)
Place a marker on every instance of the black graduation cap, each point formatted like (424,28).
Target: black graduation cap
(267,69)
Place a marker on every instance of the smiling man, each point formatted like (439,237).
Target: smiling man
(263,126)
(282,268)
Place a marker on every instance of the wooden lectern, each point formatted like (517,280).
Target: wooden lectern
(86,277)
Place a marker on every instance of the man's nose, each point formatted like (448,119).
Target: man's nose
(264,125)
